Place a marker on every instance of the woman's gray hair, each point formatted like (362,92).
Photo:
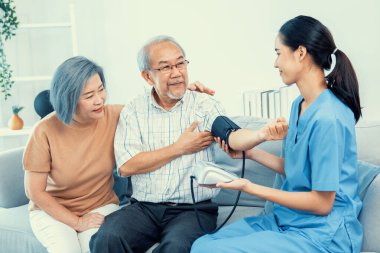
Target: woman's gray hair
(143,56)
(68,82)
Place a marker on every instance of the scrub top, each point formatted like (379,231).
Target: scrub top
(320,155)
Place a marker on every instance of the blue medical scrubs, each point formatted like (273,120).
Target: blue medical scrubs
(320,155)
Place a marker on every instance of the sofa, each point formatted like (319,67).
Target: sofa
(16,235)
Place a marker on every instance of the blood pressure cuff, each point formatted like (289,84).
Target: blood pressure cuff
(222,127)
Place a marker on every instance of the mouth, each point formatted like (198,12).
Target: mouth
(176,83)
(99,110)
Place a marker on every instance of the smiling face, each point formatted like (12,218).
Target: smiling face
(288,62)
(91,101)
(169,87)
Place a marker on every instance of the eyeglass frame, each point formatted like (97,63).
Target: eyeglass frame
(171,66)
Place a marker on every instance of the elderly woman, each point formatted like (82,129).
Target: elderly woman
(69,159)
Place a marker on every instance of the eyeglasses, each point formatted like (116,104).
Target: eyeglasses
(182,65)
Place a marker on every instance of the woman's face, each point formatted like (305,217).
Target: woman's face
(287,62)
(91,101)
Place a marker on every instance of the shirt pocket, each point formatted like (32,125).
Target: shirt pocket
(355,233)
(347,238)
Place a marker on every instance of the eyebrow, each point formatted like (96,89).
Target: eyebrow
(167,62)
(87,93)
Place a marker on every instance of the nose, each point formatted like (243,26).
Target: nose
(98,99)
(175,72)
(275,65)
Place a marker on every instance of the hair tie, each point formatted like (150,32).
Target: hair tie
(333,63)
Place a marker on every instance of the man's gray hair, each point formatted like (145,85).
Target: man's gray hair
(143,56)
(67,84)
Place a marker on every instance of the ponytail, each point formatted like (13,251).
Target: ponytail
(342,81)
(316,37)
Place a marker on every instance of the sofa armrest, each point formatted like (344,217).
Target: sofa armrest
(12,192)
(370,217)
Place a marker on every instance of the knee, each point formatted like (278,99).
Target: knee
(204,244)
(200,248)
(172,245)
(103,238)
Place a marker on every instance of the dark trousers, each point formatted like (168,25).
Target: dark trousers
(136,227)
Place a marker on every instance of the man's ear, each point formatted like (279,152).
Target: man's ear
(302,52)
(147,77)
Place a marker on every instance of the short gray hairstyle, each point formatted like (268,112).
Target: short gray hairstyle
(143,56)
(68,82)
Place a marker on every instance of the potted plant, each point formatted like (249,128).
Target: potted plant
(15,122)
(8,26)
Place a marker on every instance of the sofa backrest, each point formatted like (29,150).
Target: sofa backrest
(12,192)
(367,138)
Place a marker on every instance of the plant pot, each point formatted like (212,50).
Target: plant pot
(15,122)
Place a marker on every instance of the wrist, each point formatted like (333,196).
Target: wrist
(176,149)
(250,154)
(263,134)
(246,186)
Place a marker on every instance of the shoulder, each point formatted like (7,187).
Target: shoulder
(114,108)
(138,103)
(333,110)
(199,98)
(43,130)
(48,124)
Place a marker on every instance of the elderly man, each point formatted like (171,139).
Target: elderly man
(160,136)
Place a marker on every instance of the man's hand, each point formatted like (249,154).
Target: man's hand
(89,220)
(274,131)
(198,86)
(191,142)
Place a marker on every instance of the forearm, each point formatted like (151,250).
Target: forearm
(315,202)
(244,139)
(50,205)
(269,160)
(150,161)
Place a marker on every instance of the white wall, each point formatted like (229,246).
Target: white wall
(230,44)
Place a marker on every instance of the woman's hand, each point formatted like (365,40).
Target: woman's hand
(89,220)
(275,131)
(237,184)
(232,153)
(198,86)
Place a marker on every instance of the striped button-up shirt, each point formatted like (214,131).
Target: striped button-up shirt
(146,126)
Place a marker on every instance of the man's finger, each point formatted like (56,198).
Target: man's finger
(199,85)
(192,127)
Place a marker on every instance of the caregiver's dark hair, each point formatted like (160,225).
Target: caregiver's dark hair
(317,39)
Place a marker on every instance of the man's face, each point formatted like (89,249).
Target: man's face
(170,84)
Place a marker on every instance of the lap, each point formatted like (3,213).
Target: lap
(131,226)
(59,237)
(85,236)
(183,226)
(141,224)
(55,236)
(255,234)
